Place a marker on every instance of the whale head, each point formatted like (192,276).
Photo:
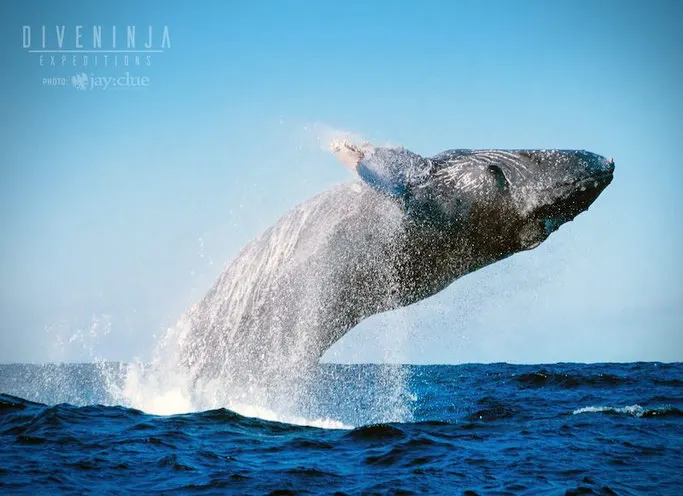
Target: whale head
(556,187)
(518,196)
(503,201)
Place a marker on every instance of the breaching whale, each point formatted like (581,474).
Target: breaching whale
(403,230)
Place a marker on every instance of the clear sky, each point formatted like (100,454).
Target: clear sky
(119,207)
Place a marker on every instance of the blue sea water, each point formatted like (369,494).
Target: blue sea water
(473,429)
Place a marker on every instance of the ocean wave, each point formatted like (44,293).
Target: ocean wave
(269,415)
(633,410)
(473,428)
(491,409)
(544,378)
(376,432)
(25,418)
(168,393)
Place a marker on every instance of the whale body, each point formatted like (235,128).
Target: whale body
(403,230)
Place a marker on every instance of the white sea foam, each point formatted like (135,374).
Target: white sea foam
(633,410)
(267,414)
(154,394)
(145,388)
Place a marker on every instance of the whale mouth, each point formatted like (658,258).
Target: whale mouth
(570,200)
(573,198)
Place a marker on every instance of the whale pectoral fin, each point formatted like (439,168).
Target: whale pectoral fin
(390,171)
(348,153)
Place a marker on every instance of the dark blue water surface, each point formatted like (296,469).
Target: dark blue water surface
(484,429)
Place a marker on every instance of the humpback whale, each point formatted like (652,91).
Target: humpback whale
(404,229)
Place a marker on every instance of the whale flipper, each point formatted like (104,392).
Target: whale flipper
(390,171)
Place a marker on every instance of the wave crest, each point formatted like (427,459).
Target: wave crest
(633,410)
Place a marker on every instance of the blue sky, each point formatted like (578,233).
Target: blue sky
(119,207)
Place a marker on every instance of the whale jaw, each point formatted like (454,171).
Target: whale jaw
(568,202)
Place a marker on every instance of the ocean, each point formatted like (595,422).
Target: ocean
(449,429)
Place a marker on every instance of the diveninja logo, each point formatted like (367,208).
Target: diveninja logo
(96,47)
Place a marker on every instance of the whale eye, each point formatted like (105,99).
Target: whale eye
(501,180)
